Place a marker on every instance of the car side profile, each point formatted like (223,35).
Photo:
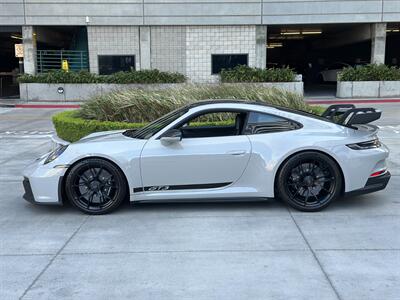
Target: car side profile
(247,151)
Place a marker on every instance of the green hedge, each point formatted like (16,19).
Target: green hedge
(248,74)
(71,128)
(139,77)
(370,72)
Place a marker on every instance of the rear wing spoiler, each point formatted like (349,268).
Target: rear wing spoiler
(348,114)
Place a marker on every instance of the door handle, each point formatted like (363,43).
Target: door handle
(236,152)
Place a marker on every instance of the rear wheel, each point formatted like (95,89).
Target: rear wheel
(309,181)
(95,186)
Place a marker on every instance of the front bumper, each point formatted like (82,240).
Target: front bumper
(42,183)
(373,184)
(28,195)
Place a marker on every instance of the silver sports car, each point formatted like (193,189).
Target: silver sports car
(219,149)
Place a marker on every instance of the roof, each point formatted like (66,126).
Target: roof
(259,103)
(228,101)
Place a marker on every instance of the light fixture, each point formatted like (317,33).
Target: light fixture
(275,45)
(301,32)
(17,37)
(311,32)
(290,32)
(393,30)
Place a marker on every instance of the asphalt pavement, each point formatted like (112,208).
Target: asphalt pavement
(256,250)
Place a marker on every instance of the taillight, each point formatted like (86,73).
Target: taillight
(365,145)
(378,173)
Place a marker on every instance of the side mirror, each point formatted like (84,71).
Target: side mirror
(171,136)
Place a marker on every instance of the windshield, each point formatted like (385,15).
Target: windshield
(152,128)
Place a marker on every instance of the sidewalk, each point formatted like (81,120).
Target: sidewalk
(37,104)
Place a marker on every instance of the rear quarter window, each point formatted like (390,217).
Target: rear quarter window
(260,123)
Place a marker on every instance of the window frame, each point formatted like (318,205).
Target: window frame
(297,124)
(207,111)
(225,54)
(117,55)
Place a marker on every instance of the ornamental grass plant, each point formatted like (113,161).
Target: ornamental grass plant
(140,106)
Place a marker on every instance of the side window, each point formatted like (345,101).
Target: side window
(213,124)
(214,119)
(259,123)
(109,64)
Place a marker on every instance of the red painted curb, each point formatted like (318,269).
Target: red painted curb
(353,101)
(47,106)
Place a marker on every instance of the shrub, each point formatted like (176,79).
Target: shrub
(370,72)
(140,77)
(134,108)
(140,106)
(248,74)
(71,128)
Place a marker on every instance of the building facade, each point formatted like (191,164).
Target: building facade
(200,37)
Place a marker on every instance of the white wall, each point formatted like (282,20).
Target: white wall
(112,40)
(202,41)
(197,12)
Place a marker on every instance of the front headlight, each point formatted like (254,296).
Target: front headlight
(365,145)
(55,153)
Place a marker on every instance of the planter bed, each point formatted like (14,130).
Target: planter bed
(84,91)
(78,91)
(368,89)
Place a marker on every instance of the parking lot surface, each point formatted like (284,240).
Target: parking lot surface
(246,250)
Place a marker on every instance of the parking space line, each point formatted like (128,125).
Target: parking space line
(53,258)
(315,257)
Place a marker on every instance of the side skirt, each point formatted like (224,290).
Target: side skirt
(180,187)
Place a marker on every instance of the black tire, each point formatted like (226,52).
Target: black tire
(309,181)
(95,186)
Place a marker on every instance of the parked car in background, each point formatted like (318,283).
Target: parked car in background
(331,72)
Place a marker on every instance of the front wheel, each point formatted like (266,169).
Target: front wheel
(309,181)
(95,186)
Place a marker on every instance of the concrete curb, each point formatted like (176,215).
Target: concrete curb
(47,106)
(353,101)
(2,104)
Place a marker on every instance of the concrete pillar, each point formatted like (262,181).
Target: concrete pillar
(29,41)
(378,43)
(261,47)
(145,59)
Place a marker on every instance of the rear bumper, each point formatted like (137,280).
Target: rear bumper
(373,184)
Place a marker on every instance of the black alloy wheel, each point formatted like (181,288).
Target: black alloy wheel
(95,186)
(309,181)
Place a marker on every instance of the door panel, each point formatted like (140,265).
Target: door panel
(210,162)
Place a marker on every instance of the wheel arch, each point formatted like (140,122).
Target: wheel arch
(61,187)
(310,150)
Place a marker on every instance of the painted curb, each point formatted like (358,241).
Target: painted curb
(47,106)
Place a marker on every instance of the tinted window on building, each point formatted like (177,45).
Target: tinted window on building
(227,61)
(109,64)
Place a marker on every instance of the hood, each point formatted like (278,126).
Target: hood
(103,135)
